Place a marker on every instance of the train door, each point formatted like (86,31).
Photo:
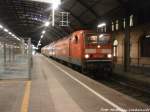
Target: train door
(75,49)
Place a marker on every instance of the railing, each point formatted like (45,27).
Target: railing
(15,60)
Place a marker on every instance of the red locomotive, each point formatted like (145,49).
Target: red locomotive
(85,49)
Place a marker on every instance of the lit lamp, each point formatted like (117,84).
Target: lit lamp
(47,23)
(101,25)
(43,32)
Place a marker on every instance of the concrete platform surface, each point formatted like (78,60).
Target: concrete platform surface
(57,88)
(11,93)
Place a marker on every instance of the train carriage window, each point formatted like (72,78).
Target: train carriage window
(145,46)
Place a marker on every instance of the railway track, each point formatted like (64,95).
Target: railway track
(129,88)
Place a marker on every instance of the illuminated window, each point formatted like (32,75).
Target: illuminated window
(145,46)
(124,23)
(115,51)
(113,27)
(131,20)
(117,24)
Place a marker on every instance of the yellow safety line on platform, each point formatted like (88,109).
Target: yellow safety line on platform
(8,81)
(25,102)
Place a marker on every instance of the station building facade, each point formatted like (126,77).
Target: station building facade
(139,43)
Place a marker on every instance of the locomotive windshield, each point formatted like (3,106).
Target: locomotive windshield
(104,39)
(91,39)
(94,39)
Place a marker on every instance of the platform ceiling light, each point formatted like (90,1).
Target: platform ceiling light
(101,25)
(49,1)
(18,38)
(41,36)
(47,23)
(45,1)
(6,30)
(43,32)
(55,5)
(9,33)
(1,26)
(13,35)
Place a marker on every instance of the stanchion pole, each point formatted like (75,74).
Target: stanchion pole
(29,57)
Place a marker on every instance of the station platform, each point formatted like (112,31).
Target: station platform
(56,88)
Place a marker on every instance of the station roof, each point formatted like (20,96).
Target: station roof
(26,17)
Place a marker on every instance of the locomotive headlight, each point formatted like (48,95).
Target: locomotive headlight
(86,56)
(98,46)
(109,55)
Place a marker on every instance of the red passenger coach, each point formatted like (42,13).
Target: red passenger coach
(85,49)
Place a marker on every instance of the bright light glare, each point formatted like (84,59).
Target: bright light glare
(98,46)
(100,36)
(55,6)
(45,1)
(41,36)
(101,25)
(109,56)
(13,35)
(49,1)
(86,56)
(16,37)
(47,23)
(1,26)
(5,30)
(43,32)
(9,33)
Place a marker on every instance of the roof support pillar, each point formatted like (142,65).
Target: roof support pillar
(4,48)
(127,48)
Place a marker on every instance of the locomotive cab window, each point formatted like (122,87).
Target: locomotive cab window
(104,39)
(145,45)
(91,39)
(94,39)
